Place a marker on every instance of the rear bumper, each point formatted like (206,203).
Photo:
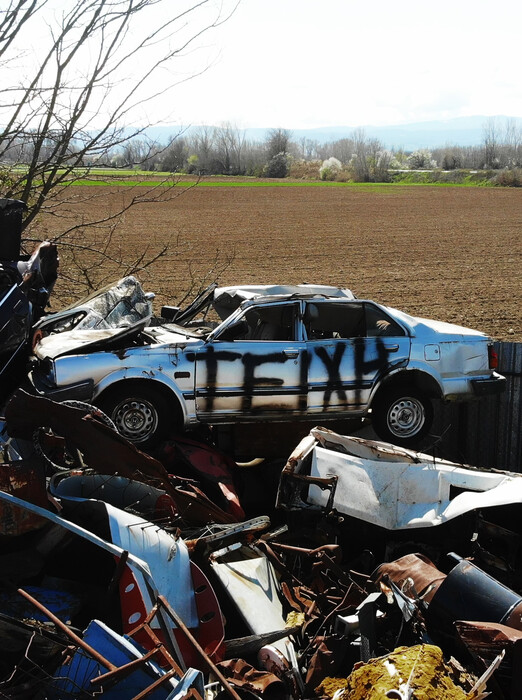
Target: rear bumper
(496,384)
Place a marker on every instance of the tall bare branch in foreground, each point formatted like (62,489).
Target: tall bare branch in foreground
(76,79)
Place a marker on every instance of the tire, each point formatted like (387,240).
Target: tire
(402,416)
(140,413)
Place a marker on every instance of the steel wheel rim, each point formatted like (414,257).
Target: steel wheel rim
(406,417)
(135,419)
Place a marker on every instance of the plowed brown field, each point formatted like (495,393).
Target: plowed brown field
(453,254)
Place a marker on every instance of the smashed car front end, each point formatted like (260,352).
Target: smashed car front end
(63,368)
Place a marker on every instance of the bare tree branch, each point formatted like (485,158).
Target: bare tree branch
(68,108)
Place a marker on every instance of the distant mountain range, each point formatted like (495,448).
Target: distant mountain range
(461,131)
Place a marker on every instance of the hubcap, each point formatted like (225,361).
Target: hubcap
(406,417)
(135,419)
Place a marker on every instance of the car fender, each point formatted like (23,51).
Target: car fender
(417,373)
(184,398)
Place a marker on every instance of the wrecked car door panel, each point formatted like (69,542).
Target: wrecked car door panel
(252,366)
(351,346)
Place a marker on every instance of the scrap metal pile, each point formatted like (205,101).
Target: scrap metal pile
(130,576)
(355,570)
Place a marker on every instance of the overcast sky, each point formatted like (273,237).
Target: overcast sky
(305,63)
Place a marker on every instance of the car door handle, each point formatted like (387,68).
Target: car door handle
(293,354)
(391,348)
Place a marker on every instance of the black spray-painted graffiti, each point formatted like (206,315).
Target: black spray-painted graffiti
(333,367)
(252,385)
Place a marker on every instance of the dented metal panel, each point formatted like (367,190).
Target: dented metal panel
(390,487)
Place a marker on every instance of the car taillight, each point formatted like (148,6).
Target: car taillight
(493,357)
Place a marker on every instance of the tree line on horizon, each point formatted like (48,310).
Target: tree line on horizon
(224,150)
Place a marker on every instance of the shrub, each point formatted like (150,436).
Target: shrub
(330,169)
(192,164)
(304,169)
(509,178)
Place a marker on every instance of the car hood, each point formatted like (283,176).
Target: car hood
(88,340)
(84,340)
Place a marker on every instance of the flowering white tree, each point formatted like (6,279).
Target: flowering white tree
(330,168)
(421,160)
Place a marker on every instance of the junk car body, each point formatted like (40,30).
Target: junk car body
(400,501)
(26,283)
(280,353)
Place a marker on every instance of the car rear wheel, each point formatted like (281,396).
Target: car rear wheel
(140,413)
(402,416)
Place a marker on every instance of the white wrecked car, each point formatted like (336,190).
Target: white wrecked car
(280,353)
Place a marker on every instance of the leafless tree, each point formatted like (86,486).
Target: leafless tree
(229,142)
(491,143)
(308,148)
(175,155)
(73,101)
(202,150)
(513,143)
(359,161)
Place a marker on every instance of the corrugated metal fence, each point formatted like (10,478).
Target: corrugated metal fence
(488,432)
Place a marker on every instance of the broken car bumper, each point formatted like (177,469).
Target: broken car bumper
(79,391)
(485,387)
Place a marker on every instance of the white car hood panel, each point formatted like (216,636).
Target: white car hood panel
(69,341)
(78,341)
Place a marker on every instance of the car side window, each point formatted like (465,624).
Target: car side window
(324,320)
(379,323)
(264,323)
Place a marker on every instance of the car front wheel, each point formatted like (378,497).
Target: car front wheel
(140,413)
(402,417)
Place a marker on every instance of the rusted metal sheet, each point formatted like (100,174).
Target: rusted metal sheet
(106,451)
(485,641)
(26,480)
(424,574)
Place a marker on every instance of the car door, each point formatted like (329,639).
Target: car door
(350,346)
(253,366)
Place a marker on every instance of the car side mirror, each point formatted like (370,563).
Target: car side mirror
(234,330)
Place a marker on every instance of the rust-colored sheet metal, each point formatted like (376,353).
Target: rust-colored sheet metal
(210,465)
(242,675)
(105,451)
(424,574)
(24,479)
(327,660)
(485,641)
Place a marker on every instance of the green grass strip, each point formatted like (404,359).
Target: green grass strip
(278,183)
